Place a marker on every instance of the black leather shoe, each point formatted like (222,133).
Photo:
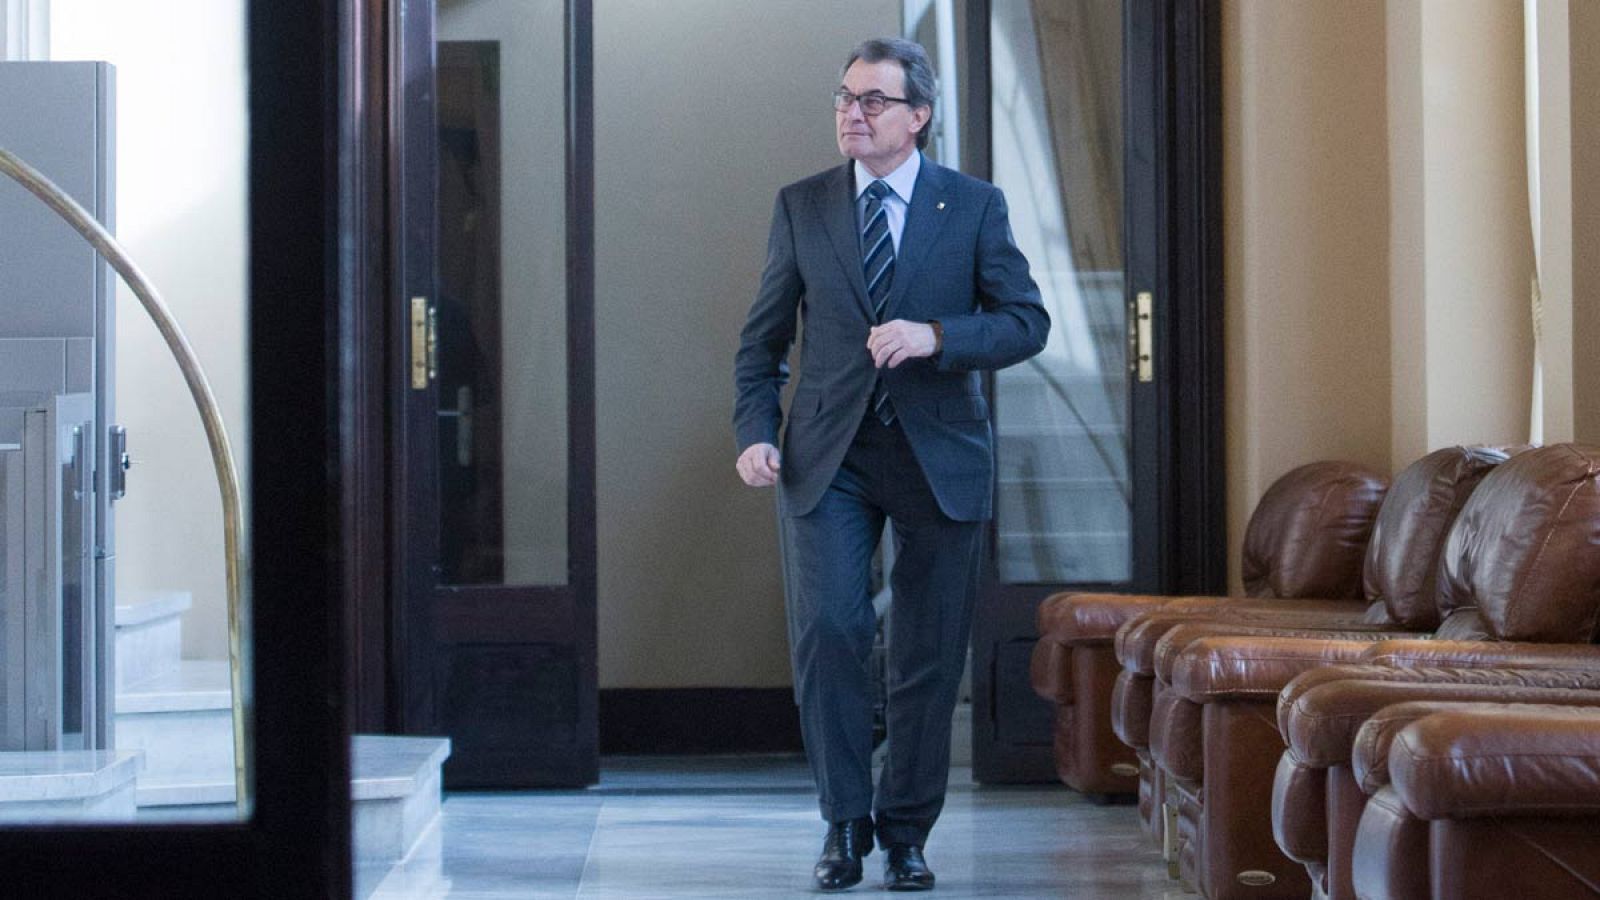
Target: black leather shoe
(906,870)
(839,867)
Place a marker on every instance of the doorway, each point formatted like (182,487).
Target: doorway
(570,140)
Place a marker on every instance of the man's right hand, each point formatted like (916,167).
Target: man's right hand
(758,465)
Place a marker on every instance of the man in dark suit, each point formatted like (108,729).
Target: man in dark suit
(908,283)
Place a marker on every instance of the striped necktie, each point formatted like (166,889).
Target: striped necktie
(877,260)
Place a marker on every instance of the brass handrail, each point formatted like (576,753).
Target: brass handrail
(210,416)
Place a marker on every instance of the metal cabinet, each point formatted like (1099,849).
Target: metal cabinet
(56,399)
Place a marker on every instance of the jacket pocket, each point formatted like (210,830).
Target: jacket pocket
(964,409)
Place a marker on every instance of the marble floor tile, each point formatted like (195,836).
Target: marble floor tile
(666,828)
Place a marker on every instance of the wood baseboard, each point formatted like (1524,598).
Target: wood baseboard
(699,720)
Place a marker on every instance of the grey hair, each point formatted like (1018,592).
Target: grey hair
(922,86)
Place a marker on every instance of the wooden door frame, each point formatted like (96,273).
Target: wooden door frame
(1184,97)
(299,275)
(390,649)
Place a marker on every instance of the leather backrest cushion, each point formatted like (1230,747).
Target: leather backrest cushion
(1401,569)
(1309,533)
(1525,550)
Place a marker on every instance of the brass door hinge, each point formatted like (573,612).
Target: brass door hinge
(424,343)
(1144,327)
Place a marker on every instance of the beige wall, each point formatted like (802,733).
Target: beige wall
(1377,234)
(1463,280)
(704,109)
(1306,243)
(1408,235)
(180,135)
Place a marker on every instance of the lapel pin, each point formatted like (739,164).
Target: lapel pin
(941,205)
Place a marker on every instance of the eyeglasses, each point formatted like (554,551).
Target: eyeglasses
(871,104)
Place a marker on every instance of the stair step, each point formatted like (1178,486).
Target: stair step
(383,767)
(1064,557)
(196,684)
(386,766)
(149,634)
(395,786)
(1063,505)
(142,607)
(182,790)
(67,786)
(1026,395)
(183,721)
(1033,453)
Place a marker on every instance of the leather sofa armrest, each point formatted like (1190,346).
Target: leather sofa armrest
(1203,605)
(1137,641)
(1173,643)
(1369,757)
(1483,654)
(1070,619)
(1256,666)
(1503,761)
(1321,675)
(1290,697)
(1077,618)
(1321,725)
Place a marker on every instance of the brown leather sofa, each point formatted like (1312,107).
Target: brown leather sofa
(1519,586)
(1317,796)
(1305,539)
(1398,595)
(1480,802)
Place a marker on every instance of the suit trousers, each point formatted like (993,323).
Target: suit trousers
(827,568)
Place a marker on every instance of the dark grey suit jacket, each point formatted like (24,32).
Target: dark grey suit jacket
(957,263)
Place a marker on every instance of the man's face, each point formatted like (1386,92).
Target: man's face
(883,141)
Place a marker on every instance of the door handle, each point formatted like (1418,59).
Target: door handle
(463,416)
(121,462)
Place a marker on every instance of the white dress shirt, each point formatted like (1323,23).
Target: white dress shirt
(901,183)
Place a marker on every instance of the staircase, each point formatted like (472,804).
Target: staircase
(177,713)
(67,786)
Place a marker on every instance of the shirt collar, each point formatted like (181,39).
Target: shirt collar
(902,180)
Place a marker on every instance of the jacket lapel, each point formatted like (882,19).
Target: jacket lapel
(925,217)
(836,207)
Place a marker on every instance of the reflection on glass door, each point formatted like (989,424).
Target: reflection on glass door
(471,473)
(501,308)
(1065,492)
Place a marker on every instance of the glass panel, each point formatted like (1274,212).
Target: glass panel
(502,323)
(940,27)
(1062,417)
(116,689)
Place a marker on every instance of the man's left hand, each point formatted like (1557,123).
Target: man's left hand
(892,343)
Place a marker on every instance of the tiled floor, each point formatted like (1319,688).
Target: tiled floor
(747,827)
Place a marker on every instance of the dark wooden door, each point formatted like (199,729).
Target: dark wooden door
(495,461)
(1094,120)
